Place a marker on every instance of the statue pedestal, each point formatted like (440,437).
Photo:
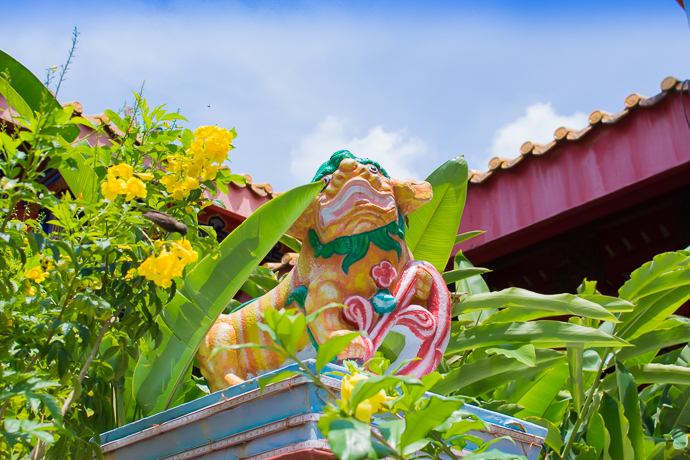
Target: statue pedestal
(241,423)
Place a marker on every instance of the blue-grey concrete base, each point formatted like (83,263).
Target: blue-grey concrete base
(241,423)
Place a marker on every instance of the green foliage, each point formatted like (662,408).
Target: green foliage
(432,231)
(590,396)
(78,308)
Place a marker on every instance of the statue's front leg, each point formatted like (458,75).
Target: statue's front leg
(330,323)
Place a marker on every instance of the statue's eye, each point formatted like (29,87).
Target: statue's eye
(373,169)
(326,179)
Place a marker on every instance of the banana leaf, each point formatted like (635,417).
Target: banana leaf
(208,289)
(520,302)
(486,374)
(617,426)
(646,277)
(627,394)
(27,95)
(541,334)
(27,85)
(656,340)
(543,392)
(652,310)
(652,373)
(434,226)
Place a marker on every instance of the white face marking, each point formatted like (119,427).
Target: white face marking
(356,193)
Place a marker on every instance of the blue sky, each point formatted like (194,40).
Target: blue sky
(409,84)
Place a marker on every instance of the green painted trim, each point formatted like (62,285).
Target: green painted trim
(299,295)
(355,247)
(333,163)
(243,305)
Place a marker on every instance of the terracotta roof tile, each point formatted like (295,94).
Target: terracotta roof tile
(565,134)
(289,260)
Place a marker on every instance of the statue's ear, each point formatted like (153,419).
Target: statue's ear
(411,195)
(303,223)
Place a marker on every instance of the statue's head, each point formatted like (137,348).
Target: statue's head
(358,196)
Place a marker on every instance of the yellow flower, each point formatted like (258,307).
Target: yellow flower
(135,187)
(123,170)
(212,142)
(37,274)
(112,188)
(210,172)
(179,193)
(366,408)
(130,274)
(26,242)
(191,183)
(184,251)
(29,289)
(168,180)
(145,176)
(167,265)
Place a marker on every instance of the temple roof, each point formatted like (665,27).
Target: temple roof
(564,134)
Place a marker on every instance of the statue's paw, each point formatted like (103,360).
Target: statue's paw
(360,348)
(423,284)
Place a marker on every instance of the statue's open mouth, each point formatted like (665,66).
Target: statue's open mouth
(356,194)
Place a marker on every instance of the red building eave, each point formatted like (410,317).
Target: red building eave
(616,162)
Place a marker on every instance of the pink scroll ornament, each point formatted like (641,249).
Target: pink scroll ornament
(426,329)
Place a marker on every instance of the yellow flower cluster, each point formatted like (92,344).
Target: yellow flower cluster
(366,408)
(121,181)
(37,274)
(211,144)
(168,264)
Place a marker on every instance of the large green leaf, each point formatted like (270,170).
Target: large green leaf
(472,285)
(541,334)
(14,100)
(576,380)
(652,310)
(516,300)
(419,423)
(27,85)
(612,304)
(208,289)
(617,426)
(596,433)
(458,274)
(543,392)
(486,374)
(656,340)
(644,278)
(350,439)
(27,94)
(433,227)
(627,391)
(652,373)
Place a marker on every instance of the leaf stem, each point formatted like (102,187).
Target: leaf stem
(585,407)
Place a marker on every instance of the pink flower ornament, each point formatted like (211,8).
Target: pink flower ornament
(383,274)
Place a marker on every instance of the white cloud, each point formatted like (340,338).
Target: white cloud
(396,151)
(537,125)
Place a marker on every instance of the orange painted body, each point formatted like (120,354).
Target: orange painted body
(357,199)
